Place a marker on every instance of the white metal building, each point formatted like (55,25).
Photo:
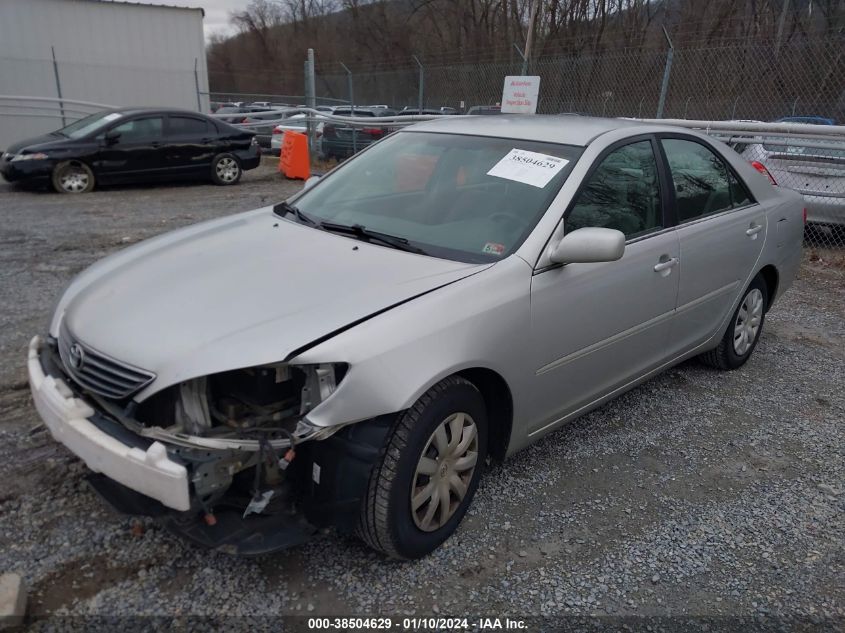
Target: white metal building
(110,52)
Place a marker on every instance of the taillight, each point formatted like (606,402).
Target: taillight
(277,131)
(373,131)
(762,169)
(245,120)
(805,215)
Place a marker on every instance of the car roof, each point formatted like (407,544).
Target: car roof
(140,110)
(564,129)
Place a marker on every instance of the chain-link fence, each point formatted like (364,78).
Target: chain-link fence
(798,82)
(740,81)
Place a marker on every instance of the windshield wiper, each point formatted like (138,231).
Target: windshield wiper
(283,207)
(363,233)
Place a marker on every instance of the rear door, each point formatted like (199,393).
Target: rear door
(189,144)
(721,229)
(135,153)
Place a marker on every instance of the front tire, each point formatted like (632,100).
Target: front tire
(743,330)
(428,472)
(73,176)
(225,170)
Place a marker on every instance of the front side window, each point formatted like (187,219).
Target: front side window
(468,198)
(622,193)
(139,130)
(701,180)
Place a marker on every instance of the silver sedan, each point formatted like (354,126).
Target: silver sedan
(355,355)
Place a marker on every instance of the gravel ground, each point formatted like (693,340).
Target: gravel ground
(697,494)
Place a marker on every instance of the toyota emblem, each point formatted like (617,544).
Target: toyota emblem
(77,356)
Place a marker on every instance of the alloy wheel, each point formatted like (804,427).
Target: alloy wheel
(748,321)
(444,472)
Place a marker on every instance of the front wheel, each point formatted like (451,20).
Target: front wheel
(73,176)
(225,170)
(743,330)
(429,471)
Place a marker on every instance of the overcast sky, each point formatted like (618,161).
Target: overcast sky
(216,11)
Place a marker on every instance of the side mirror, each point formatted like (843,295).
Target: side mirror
(311,182)
(591,244)
(111,137)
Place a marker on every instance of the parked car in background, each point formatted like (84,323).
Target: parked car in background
(350,357)
(296,123)
(262,123)
(409,111)
(132,145)
(811,120)
(485,109)
(237,114)
(341,140)
(809,167)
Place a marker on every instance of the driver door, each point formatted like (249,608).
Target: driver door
(595,327)
(132,150)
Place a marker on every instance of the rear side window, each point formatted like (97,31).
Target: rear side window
(187,126)
(701,180)
(623,193)
(739,194)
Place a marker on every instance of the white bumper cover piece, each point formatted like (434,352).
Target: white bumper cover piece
(149,472)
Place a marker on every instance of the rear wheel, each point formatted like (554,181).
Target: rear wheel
(73,176)
(743,330)
(428,473)
(225,170)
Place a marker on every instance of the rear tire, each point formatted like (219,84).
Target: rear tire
(428,472)
(72,176)
(225,170)
(743,329)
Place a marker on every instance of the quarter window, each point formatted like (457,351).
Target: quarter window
(623,193)
(701,179)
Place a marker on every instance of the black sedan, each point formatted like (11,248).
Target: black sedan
(132,145)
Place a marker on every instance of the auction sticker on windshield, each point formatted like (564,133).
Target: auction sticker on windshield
(527,167)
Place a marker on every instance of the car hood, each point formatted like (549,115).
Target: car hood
(247,290)
(38,141)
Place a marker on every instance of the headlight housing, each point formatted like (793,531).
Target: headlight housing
(32,156)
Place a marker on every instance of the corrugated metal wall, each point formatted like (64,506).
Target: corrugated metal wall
(106,52)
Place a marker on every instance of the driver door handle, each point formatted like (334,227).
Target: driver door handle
(754,229)
(665,265)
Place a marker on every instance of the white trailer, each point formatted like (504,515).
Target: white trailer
(101,51)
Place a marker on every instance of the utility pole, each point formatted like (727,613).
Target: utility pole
(529,39)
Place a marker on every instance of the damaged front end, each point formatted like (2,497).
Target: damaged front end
(259,476)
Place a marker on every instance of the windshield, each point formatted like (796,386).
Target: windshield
(81,128)
(468,198)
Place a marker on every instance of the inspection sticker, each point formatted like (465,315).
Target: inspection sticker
(527,167)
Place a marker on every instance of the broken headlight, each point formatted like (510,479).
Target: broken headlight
(244,405)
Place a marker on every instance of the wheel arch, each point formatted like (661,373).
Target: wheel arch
(771,278)
(499,402)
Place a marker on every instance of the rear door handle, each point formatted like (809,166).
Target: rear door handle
(665,265)
(753,230)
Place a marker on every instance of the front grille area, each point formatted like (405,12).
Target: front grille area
(99,373)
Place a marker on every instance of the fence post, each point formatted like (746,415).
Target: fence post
(351,107)
(521,56)
(58,85)
(310,96)
(197,85)
(422,83)
(666,72)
